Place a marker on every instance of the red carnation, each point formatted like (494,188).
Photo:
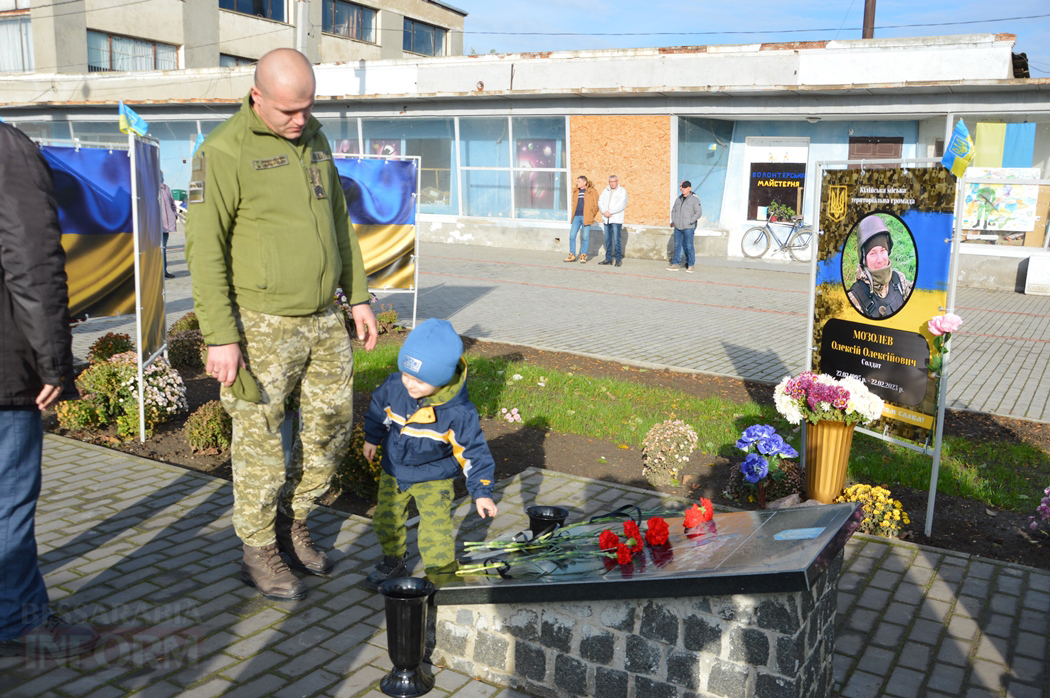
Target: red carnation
(608,540)
(631,532)
(696,515)
(656,531)
(623,554)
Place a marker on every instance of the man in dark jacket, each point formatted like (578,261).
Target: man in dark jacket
(36,369)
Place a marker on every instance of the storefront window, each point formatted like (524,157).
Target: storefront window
(776,174)
(703,155)
(539,161)
(429,139)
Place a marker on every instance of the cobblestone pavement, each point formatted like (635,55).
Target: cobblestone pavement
(146,552)
(740,319)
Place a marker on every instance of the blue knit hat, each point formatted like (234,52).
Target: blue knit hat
(431,352)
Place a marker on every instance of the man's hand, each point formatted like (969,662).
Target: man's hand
(369,451)
(48,396)
(223,362)
(365,324)
(486,507)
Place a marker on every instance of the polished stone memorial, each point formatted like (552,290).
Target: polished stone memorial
(741,605)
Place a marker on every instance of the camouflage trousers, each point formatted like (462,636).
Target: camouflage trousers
(311,353)
(437,545)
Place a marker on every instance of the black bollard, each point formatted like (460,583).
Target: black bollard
(406,623)
(544,519)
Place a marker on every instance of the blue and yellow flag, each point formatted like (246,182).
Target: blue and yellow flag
(959,153)
(130,122)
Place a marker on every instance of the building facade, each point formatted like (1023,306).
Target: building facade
(80,36)
(501,138)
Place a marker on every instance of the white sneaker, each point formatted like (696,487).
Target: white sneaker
(689,270)
(672,268)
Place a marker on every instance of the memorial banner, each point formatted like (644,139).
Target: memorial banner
(152,330)
(93,191)
(381,199)
(882,272)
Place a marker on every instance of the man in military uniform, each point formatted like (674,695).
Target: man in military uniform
(268,241)
(879,290)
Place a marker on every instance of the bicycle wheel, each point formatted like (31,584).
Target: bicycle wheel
(755,242)
(801,245)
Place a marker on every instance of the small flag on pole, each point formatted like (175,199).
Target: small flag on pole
(130,122)
(959,153)
(197,145)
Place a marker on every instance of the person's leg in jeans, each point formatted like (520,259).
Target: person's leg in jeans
(616,227)
(23,595)
(577,223)
(608,242)
(677,258)
(585,241)
(164,247)
(687,245)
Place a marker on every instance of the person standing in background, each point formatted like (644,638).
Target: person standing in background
(685,212)
(169,217)
(612,204)
(585,210)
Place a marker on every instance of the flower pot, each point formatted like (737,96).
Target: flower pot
(827,455)
(544,519)
(406,623)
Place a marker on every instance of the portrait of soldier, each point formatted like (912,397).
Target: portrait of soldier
(879,290)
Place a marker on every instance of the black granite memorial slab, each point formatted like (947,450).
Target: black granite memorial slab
(769,551)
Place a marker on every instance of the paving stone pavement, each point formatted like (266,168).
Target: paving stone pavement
(146,551)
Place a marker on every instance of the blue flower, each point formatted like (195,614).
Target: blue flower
(754,468)
(754,433)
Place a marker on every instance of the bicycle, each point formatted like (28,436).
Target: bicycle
(799,241)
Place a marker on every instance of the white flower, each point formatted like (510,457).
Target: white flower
(517,377)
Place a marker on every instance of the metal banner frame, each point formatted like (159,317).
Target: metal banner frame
(953,268)
(142,362)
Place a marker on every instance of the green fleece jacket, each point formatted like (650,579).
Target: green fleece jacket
(267,227)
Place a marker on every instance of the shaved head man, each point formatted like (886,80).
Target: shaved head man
(268,242)
(283,94)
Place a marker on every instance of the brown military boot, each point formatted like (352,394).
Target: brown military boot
(293,539)
(264,569)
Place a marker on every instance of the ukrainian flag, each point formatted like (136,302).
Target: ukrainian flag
(130,122)
(381,202)
(959,153)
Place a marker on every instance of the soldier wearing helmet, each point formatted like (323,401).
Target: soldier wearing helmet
(879,290)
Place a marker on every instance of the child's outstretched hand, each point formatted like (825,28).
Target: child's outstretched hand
(369,451)
(486,507)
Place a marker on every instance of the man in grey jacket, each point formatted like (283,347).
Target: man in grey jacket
(684,215)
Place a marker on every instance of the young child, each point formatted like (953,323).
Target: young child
(430,432)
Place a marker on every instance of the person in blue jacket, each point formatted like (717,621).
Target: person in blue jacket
(429,431)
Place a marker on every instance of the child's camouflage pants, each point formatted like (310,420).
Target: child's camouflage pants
(434,503)
(280,352)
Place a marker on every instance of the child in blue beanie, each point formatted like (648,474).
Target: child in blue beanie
(430,433)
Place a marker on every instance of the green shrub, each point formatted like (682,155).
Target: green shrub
(184,349)
(355,474)
(78,415)
(113,385)
(109,344)
(186,322)
(386,319)
(209,428)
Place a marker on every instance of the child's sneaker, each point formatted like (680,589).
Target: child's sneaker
(387,568)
